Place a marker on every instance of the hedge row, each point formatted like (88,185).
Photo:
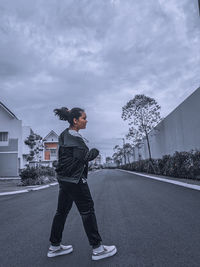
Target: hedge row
(37,176)
(180,165)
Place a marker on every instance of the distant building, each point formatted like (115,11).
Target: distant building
(109,160)
(12,147)
(50,152)
(109,163)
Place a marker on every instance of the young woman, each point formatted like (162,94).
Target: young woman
(72,170)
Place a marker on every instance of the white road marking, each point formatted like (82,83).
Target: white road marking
(27,190)
(191,186)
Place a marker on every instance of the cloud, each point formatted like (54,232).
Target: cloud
(96,55)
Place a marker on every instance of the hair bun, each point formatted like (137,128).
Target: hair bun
(66,114)
(62,113)
(66,109)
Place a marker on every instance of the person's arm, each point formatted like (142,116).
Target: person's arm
(92,154)
(84,155)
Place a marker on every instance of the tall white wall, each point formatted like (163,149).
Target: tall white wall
(179,131)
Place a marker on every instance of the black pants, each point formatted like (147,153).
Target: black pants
(80,194)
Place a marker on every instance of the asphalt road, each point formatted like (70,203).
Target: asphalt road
(152,224)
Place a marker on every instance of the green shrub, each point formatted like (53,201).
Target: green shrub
(48,171)
(196,164)
(37,176)
(180,165)
(29,173)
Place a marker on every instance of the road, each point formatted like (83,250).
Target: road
(152,223)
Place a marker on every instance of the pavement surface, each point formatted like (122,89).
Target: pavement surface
(151,222)
(10,185)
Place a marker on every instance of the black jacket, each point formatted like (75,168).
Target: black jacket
(73,157)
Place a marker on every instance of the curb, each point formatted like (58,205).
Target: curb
(9,179)
(191,186)
(28,190)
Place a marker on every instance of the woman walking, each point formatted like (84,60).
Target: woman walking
(72,170)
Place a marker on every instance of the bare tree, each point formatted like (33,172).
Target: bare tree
(128,151)
(143,113)
(136,139)
(118,155)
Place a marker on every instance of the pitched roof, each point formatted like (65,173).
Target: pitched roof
(51,132)
(8,110)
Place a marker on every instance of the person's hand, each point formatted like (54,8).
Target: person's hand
(92,154)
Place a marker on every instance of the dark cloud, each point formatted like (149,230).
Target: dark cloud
(96,55)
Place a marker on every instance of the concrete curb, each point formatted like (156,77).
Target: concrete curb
(36,188)
(8,179)
(191,186)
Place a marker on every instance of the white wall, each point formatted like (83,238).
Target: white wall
(179,131)
(13,126)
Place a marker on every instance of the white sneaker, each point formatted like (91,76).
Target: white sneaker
(59,250)
(103,252)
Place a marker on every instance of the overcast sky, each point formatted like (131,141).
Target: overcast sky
(96,54)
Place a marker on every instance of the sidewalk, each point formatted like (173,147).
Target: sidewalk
(10,187)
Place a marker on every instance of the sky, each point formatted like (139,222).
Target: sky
(96,55)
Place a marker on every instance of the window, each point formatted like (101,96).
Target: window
(53,152)
(3,136)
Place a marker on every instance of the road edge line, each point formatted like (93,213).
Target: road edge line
(27,190)
(14,192)
(191,186)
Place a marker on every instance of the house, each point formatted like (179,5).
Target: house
(12,148)
(50,152)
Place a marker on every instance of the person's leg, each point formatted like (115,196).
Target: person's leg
(83,200)
(64,205)
(82,197)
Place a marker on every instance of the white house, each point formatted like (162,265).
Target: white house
(12,148)
(50,152)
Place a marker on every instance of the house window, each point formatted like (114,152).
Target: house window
(3,136)
(53,153)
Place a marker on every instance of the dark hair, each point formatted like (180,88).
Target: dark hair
(68,115)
